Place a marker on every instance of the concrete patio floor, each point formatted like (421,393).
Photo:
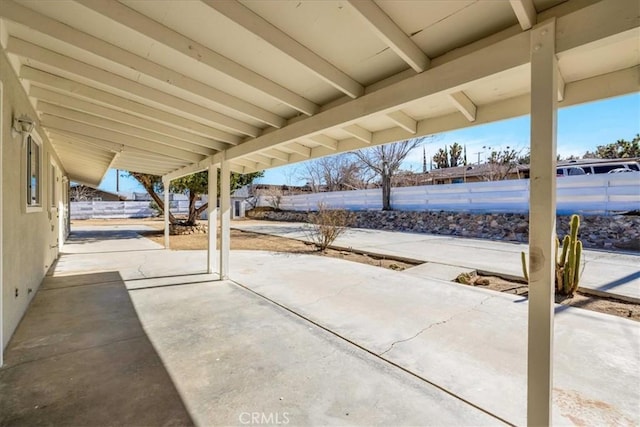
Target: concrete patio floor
(315,340)
(605,273)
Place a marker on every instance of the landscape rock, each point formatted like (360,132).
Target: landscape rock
(180,230)
(620,232)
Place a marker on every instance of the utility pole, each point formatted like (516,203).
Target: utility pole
(424,160)
(117,180)
(478,153)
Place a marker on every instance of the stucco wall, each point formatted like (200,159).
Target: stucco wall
(26,237)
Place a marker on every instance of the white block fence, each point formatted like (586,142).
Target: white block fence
(105,210)
(587,194)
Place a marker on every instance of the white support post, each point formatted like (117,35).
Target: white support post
(542,224)
(1,228)
(225,218)
(166,214)
(212,218)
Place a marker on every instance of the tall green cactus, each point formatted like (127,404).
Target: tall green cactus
(568,264)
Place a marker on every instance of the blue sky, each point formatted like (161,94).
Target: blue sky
(580,128)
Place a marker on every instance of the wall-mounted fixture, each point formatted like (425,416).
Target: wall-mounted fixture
(22,125)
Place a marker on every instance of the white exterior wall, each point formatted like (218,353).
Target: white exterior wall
(29,244)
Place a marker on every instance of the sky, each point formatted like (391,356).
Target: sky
(581,128)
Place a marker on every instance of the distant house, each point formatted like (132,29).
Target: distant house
(461,174)
(85,193)
(145,197)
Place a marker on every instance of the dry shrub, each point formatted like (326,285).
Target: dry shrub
(327,224)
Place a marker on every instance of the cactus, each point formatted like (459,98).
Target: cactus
(525,273)
(568,264)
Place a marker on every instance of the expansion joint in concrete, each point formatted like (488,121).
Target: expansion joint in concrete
(365,349)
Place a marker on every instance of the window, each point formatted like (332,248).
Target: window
(576,171)
(606,168)
(33,173)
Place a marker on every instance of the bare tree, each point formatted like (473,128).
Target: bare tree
(274,197)
(501,163)
(81,193)
(326,225)
(333,173)
(385,161)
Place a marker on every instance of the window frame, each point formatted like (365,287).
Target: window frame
(35,139)
(53,184)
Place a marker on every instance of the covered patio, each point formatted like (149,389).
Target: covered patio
(124,332)
(173,88)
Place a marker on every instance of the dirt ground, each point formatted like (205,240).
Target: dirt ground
(244,240)
(588,302)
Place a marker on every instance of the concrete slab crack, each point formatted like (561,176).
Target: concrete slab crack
(442,322)
(332,295)
(144,259)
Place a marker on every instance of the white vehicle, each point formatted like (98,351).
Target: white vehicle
(591,167)
(621,170)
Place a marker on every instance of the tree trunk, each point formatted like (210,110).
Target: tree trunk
(386,192)
(201,209)
(191,220)
(158,200)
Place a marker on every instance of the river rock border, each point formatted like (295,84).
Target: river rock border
(619,232)
(181,230)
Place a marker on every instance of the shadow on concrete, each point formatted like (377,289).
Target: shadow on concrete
(80,356)
(79,239)
(92,236)
(621,281)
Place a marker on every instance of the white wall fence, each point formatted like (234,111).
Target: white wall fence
(587,194)
(103,210)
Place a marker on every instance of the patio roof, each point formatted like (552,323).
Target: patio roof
(169,87)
